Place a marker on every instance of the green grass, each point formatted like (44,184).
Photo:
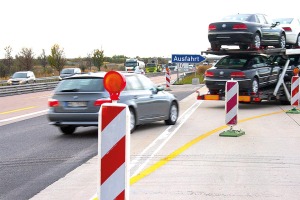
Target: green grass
(188,79)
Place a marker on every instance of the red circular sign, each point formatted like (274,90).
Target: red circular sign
(114,83)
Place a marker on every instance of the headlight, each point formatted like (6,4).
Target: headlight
(9,81)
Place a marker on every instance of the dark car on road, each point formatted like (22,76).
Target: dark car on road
(248,31)
(251,71)
(77,100)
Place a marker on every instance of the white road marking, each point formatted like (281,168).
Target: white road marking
(23,116)
(162,139)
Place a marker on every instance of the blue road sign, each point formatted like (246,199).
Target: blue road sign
(187,58)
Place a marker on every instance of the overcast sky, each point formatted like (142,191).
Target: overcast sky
(145,28)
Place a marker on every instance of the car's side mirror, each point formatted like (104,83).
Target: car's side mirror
(160,88)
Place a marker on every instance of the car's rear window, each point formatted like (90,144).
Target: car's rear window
(81,85)
(231,63)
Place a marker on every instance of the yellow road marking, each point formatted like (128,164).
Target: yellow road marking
(17,110)
(180,150)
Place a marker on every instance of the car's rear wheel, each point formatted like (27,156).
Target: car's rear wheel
(243,46)
(132,120)
(173,114)
(254,85)
(215,47)
(281,42)
(256,41)
(67,129)
(297,45)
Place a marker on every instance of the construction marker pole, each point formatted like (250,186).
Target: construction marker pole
(295,95)
(113,151)
(231,109)
(168,78)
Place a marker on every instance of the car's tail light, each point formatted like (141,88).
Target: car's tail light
(239,27)
(53,103)
(212,27)
(287,29)
(237,75)
(209,74)
(99,102)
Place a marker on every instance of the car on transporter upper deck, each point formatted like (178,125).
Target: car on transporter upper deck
(248,31)
(77,99)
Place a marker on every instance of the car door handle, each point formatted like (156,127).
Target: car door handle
(135,97)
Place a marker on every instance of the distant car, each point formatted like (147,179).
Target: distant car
(281,61)
(77,100)
(22,77)
(292,30)
(66,72)
(248,31)
(251,71)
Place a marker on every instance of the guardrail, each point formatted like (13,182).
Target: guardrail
(46,83)
(27,88)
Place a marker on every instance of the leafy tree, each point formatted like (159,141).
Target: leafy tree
(43,60)
(98,58)
(26,58)
(8,62)
(57,58)
(88,61)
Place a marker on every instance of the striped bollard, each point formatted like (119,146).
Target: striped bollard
(168,78)
(231,109)
(113,142)
(295,95)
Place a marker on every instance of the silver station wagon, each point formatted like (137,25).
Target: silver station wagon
(77,100)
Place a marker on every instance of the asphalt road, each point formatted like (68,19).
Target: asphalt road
(35,154)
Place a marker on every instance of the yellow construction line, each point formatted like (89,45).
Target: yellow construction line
(17,110)
(180,150)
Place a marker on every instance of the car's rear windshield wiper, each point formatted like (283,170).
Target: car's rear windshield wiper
(70,90)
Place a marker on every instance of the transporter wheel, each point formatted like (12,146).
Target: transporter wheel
(68,130)
(173,114)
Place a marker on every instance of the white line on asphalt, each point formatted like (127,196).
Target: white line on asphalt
(22,116)
(163,138)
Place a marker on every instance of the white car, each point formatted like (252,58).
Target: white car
(21,77)
(292,30)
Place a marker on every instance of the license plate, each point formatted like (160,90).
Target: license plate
(76,104)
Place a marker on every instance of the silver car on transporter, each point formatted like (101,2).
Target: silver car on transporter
(76,101)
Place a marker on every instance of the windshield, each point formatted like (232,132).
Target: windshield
(284,20)
(130,64)
(150,65)
(67,71)
(240,17)
(81,85)
(20,75)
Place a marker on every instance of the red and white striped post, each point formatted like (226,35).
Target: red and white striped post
(231,109)
(113,142)
(168,78)
(295,96)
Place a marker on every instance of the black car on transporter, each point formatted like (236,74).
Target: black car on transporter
(251,71)
(248,31)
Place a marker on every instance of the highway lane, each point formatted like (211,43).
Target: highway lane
(35,154)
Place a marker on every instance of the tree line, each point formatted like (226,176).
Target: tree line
(25,60)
